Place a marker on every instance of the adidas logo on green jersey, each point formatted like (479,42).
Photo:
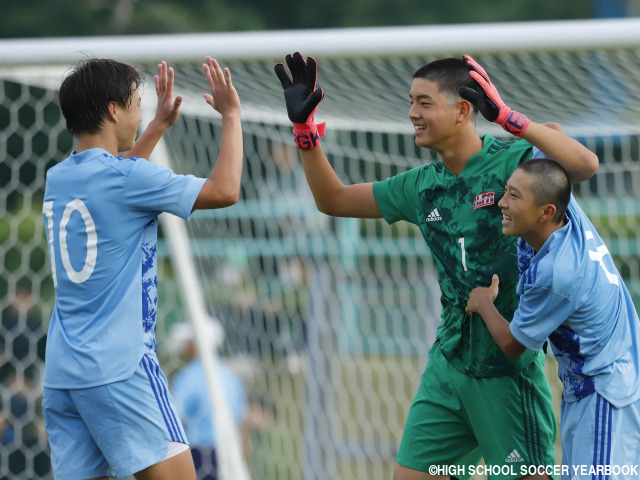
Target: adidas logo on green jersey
(434,216)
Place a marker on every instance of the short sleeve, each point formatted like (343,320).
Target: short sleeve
(541,311)
(397,196)
(150,187)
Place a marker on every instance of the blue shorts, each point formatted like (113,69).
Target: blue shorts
(116,429)
(600,441)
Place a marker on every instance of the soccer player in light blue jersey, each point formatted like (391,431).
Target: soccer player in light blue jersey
(106,405)
(572,294)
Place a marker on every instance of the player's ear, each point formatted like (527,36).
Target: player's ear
(548,212)
(464,109)
(112,112)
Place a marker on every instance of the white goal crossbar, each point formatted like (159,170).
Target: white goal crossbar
(483,37)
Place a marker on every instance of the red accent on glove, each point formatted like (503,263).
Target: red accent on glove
(515,123)
(307,135)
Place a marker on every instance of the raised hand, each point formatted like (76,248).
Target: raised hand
(168,109)
(302,97)
(224,97)
(167,113)
(489,103)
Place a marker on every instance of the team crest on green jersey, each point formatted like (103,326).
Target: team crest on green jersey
(484,200)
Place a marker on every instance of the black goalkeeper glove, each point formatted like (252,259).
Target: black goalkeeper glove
(302,98)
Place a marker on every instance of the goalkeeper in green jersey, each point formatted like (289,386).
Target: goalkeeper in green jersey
(473,401)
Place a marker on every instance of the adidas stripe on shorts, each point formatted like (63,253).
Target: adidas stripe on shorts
(597,434)
(116,429)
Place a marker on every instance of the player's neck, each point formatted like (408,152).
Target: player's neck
(457,153)
(538,238)
(98,140)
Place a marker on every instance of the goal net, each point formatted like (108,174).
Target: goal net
(327,321)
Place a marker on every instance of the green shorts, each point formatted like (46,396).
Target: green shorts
(456,420)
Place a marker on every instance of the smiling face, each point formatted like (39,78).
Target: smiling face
(520,212)
(432,117)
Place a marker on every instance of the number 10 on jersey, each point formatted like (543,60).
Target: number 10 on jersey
(76,276)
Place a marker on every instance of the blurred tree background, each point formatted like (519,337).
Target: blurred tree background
(70,18)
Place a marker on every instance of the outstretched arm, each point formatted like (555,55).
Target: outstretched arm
(481,302)
(332,197)
(302,97)
(222,188)
(579,162)
(167,113)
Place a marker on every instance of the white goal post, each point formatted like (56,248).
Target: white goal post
(328,321)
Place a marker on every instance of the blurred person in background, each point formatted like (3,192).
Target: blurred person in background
(191,396)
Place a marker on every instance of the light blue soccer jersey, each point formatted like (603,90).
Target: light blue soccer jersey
(572,293)
(100,214)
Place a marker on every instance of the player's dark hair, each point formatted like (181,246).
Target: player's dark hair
(551,184)
(449,74)
(88,89)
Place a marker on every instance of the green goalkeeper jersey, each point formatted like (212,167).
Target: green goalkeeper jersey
(461,223)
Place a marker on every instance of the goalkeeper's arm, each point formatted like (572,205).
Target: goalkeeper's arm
(302,97)
(579,162)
